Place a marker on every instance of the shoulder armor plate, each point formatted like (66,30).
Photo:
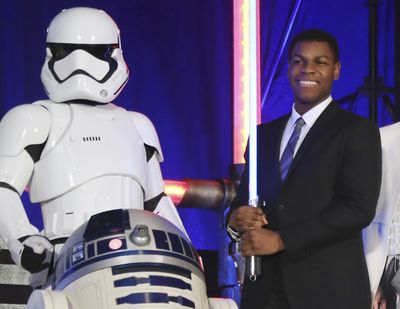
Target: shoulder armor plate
(22,126)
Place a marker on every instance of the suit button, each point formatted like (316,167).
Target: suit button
(281,207)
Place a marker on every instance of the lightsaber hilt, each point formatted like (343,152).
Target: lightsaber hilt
(253,263)
(253,267)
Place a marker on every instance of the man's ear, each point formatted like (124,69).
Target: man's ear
(336,70)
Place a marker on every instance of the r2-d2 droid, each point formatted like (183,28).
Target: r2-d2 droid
(127,259)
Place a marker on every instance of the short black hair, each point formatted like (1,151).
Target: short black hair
(318,35)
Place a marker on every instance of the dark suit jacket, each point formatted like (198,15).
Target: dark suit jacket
(329,195)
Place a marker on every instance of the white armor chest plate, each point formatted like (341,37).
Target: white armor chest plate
(92,162)
(97,141)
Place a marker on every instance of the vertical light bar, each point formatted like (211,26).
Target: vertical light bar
(241,75)
(240,79)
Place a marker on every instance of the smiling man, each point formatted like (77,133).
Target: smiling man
(319,171)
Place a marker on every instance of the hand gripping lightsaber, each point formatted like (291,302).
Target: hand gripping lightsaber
(253,263)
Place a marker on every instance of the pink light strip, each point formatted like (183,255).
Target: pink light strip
(241,76)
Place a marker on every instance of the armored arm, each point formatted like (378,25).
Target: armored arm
(23,132)
(155,198)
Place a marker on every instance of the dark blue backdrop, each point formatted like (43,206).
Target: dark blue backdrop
(179,54)
(348,21)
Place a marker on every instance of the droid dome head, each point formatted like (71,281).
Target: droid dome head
(146,261)
(83,57)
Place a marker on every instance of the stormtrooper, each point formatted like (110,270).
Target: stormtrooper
(78,154)
(111,237)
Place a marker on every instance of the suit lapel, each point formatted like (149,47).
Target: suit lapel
(270,140)
(317,131)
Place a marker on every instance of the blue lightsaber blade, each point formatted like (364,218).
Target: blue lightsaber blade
(253,263)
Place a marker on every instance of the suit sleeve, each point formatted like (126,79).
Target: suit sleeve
(354,198)
(242,192)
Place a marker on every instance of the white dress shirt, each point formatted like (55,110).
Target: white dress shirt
(309,118)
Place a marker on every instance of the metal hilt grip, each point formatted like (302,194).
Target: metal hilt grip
(253,267)
(253,263)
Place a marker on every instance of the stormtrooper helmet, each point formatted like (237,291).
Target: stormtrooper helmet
(83,57)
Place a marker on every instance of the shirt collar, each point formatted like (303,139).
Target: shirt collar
(312,115)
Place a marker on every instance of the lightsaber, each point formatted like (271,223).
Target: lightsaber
(253,263)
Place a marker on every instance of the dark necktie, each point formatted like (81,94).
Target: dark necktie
(287,155)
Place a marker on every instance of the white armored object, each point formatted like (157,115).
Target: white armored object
(125,259)
(78,153)
(80,156)
(83,57)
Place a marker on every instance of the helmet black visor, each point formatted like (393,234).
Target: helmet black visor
(100,51)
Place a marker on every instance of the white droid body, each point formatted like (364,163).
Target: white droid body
(127,259)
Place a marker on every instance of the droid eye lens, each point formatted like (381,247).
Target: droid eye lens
(115,244)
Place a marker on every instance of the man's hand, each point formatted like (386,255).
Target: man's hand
(379,300)
(37,253)
(246,218)
(261,242)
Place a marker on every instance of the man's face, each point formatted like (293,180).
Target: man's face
(312,69)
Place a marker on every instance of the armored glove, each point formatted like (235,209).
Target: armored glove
(36,254)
